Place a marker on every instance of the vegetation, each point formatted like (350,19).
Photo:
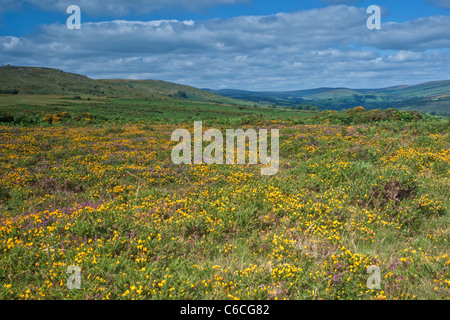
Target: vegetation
(86,179)
(431,97)
(359,115)
(49,81)
(91,184)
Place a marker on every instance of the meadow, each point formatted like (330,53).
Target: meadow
(92,184)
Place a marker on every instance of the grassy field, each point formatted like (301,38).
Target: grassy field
(99,191)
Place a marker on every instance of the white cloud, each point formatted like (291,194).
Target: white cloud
(403,56)
(320,47)
(419,34)
(9,42)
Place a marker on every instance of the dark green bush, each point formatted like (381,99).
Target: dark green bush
(6,117)
(359,115)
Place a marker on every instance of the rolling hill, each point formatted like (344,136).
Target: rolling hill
(49,81)
(432,97)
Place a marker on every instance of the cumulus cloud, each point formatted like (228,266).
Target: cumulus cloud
(419,34)
(310,48)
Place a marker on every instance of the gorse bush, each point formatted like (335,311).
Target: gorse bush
(359,115)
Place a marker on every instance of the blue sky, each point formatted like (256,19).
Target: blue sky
(246,44)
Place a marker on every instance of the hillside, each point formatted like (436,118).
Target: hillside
(49,81)
(172,90)
(432,97)
(427,89)
(33,80)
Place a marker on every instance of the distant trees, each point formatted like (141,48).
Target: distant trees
(180,94)
(360,115)
(305,107)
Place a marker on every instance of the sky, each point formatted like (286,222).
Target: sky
(256,45)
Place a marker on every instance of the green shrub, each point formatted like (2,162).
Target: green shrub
(6,117)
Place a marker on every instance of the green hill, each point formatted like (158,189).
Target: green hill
(145,87)
(49,81)
(432,97)
(422,90)
(43,81)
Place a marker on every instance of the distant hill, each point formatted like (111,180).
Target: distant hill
(427,89)
(49,81)
(432,97)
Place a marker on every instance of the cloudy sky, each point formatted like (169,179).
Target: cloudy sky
(242,44)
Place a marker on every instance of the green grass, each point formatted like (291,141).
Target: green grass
(33,109)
